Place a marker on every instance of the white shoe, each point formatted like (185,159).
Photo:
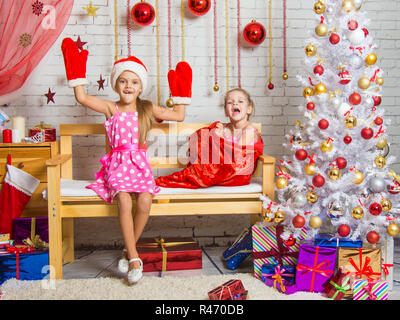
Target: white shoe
(123,264)
(134,275)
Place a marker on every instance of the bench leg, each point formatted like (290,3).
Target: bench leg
(68,239)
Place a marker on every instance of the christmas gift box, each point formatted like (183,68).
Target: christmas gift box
(338,286)
(168,254)
(269,247)
(315,267)
(23,263)
(48,133)
(230,290)
(325,240)
(361,263)
(387,249)
(31,231)
(240,249)
(282,278)
(370,290)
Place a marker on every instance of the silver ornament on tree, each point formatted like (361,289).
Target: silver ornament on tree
(336,102)
(369,102)
(299,200)
(356,61)
(376,184)
(357,3)
(357,36)
(335,209)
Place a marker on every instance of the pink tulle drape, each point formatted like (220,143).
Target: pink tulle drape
(28,29)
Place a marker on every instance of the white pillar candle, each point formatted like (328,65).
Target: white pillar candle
(16,136)
(19,123)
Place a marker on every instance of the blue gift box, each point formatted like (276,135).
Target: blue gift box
(32,265)
(326,240)
(288,274)
(241,248)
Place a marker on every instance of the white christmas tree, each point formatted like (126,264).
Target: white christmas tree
(339,168)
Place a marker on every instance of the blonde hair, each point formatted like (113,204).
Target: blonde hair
(145,113)
(246,94)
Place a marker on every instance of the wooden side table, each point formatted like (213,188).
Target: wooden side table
(30,157)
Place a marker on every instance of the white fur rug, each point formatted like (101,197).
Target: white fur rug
(148,288)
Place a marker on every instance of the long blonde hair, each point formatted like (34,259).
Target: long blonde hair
(144,109)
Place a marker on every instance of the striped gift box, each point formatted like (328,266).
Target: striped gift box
(266,241)
(375,290)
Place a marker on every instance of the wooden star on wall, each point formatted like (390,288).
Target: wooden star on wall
(91,11)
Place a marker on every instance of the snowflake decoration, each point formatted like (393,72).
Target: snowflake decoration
(37,7)
(25,39)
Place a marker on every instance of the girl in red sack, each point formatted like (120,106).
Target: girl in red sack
(126,168)
(223,154)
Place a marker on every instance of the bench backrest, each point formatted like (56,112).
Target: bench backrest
(67,131)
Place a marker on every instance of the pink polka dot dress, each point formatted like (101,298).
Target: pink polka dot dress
(126,168)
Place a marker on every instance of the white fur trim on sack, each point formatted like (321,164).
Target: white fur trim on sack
(181,100)
(135,67)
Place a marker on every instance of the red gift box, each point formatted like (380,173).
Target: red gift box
(48,132)
(169,254)
(230,290)
(339,285)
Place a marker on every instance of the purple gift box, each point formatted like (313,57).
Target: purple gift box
(315,266)
(24,228)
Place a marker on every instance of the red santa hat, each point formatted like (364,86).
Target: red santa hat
(129,64)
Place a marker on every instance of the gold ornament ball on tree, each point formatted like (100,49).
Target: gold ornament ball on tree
(310,169)
(371,59)
(281,183)
(169,103)
(315,222)
(319,7)
(386,205)
(364,83)
(216,87)
(312,197)
(379,81)
(348,5)
(359,177)
(326,146)
(380,161)
(350,121)
(381,144)
(279,216)
(285,76)
(320,88)
(321,30)
(311,50)
(334,174)
(357,213)
(393,229)
(308,92)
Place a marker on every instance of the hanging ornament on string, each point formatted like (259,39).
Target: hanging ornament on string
(115,30)
(143,13)
(254,33)
(238,45)
(270,84)
(169,102)
(158,52)
(199,7)
(227,44)
(128,28)
(285,75)
(216,86)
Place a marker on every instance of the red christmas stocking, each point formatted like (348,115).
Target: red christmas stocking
(17,190)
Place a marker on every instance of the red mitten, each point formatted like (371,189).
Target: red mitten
(75,63)
(180,83)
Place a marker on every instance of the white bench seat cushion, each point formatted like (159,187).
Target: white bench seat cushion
(77,188)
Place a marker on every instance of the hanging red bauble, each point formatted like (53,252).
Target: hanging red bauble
(345,77)
(199,7)
(334,38)
(355,99)
(299,221)
(290,241)
(270,86)
(377,100)
(254,33)
(343,230)
(378,121)
(323,124)
(341,162)
(365,32)
(301,154)
(347,139)
(352,25)
(373,237)
(310,106)
(393,187)
(318,180)
(143,13)
(375,209)
(367,133)
(318,69)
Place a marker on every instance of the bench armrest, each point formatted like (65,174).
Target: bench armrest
(268,175)
(58,159)
(264,158)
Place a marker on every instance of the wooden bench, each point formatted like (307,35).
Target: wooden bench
(62,209)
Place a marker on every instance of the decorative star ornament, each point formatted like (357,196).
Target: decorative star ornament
(101,83)
(50,96)
(80,43)
(91,11)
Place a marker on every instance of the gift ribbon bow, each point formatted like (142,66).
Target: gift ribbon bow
(278,277)
(42,126)
(365,269)
(385,267)
(368,288)
(34,240)
(341,288)
(17,251)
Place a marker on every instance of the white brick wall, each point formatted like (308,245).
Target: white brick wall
(276,109)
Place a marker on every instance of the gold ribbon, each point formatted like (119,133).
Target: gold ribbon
(34,240)
(160,242)
(42,126)
(394,175)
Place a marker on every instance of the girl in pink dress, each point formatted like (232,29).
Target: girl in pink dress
(126,169)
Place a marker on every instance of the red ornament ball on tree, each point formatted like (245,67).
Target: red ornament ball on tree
(323,124)
(341,163)
(299,221)
(378,121)
(393,187)
(367,133)
(343,230)
(334,38)
(199,7)
(270,86)
(352,25)
(254,33)
(318,181)
(310,106)
(143,13)
(301,154)
(375,209)
(318,69)
(373,237)
(347,139)
(355,99)
(377,100)
(290,241)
